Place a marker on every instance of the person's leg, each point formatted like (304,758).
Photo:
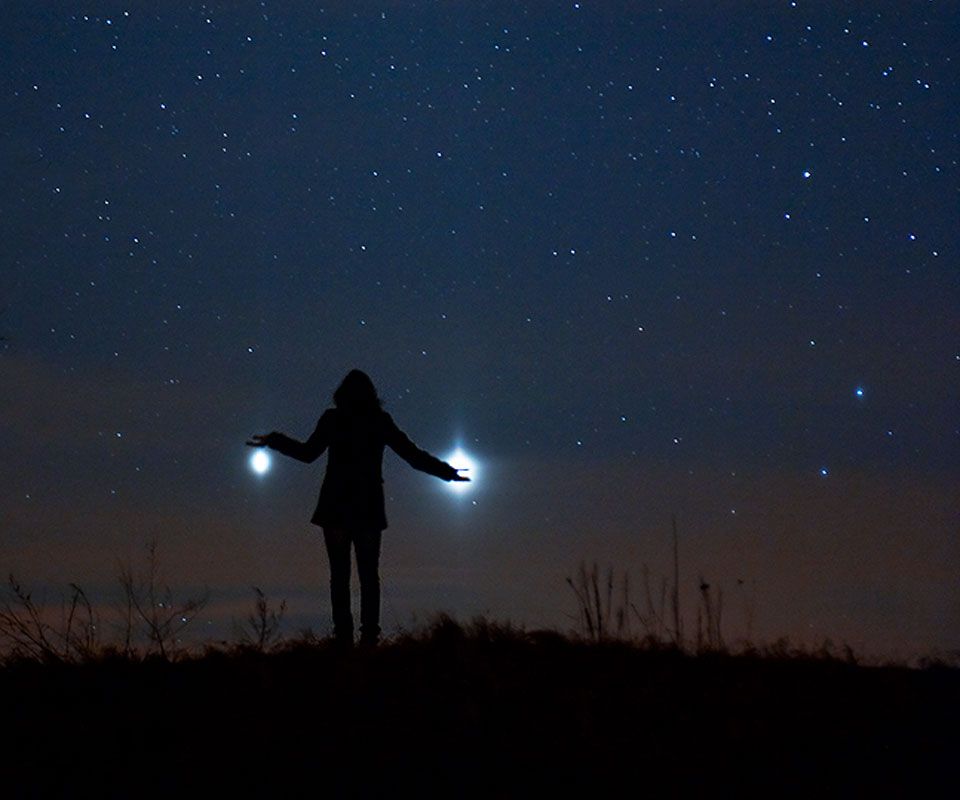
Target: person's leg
(338,553)
(367,546)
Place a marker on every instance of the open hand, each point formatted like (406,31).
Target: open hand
(259,440)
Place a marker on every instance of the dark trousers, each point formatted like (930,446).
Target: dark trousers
(366,544)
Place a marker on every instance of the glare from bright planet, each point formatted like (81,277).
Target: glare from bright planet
(459,459)
(260,462)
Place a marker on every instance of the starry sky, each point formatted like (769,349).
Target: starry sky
(697,260)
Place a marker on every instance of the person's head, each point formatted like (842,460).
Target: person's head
(356,393)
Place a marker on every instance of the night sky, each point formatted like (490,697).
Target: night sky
(698,260)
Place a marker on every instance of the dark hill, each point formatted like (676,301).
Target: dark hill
(482,712)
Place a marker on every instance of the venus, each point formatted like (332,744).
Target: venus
(260,462)
(459,459)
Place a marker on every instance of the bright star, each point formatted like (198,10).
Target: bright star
(459,459)
(260,462)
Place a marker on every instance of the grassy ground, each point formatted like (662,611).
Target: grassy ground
(477,711)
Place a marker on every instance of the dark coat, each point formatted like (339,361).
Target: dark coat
(352,492)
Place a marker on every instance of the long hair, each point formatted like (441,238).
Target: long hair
(356,394)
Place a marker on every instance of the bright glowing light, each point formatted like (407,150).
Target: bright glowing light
(459,459)
(260,461)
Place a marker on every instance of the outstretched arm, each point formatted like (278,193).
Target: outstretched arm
(419,459)
(307,451)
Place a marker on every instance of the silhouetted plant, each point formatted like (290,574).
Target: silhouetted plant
(261,629)
(152,605)
(941,660)
(653,618)
(677,619)
(30,635)
(709,618)
(596,609)
(749,603)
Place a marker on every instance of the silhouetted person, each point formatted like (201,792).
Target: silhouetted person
(351,506)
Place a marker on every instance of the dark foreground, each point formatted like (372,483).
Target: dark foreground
(484,713)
